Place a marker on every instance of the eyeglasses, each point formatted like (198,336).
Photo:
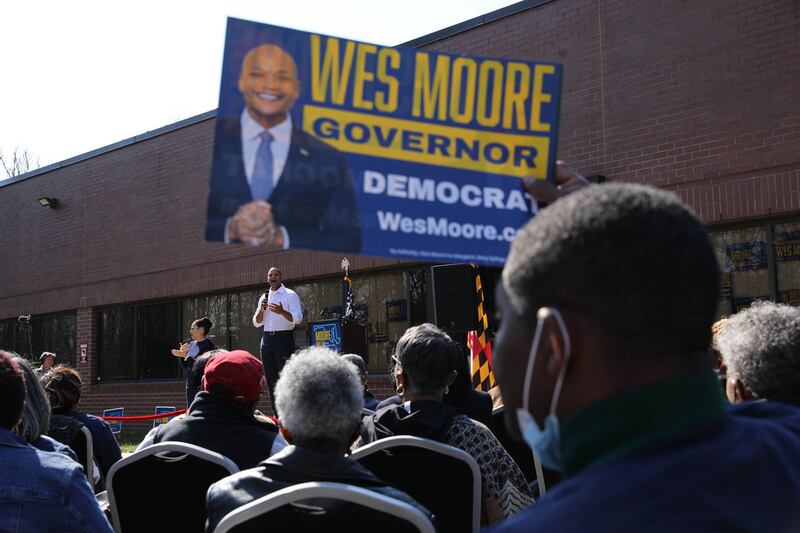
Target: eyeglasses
(396,360)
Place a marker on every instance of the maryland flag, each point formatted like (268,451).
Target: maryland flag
(480,348)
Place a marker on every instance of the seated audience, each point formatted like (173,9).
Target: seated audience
(319,398)
(424,369)
(221,418)
(35,421)
(475,404)
(370,401)
(607,300)
(63,387)
(39,491)
(761,349)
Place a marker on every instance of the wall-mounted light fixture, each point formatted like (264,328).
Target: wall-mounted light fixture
(47,201)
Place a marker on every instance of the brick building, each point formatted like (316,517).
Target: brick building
(700,98)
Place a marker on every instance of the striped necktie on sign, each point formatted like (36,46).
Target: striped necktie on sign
(261,182)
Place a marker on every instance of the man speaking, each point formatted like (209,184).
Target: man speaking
(272,184)
(278,312)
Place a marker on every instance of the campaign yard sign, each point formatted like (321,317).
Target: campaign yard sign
(116,425)
(332,144)
(162,409)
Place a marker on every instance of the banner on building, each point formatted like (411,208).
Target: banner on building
(746,256)
(332,144)
(787,245)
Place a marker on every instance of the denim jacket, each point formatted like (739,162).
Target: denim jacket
(44,491)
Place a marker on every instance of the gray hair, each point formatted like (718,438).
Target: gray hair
(319,398)
(35,420)
(761,346)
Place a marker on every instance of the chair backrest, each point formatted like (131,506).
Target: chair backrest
(163,487)
(443,478)
(86,454)
(522,455)
(77,436)
(326,507)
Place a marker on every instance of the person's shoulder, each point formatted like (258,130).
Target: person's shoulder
(288,290)
(93,420)
(768,418)
(316,148)
(226,487)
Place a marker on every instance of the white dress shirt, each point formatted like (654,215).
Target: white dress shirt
(275,322)
(251,140)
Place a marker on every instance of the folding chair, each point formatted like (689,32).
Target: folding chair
(77,436)
(443,478)
(522,455)
(163,487)
(314,506)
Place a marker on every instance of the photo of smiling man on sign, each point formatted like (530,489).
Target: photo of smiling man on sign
(273,184)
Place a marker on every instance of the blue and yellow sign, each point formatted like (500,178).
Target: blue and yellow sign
(327,333)
(333,144)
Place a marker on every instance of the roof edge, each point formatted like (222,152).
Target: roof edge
(114,146)
(461,27)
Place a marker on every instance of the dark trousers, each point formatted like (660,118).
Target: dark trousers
(276,348)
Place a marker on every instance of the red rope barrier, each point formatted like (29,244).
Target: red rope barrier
(143,417)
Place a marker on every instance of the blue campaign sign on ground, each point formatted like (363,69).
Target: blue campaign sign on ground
(162,409)
(332,144)
(116,427)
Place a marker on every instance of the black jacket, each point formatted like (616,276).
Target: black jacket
(222,426)
(427,419)
(292,466)
(477,405)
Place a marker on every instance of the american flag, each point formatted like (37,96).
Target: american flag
(347,297)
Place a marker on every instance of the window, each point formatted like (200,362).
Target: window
(135,342)
(742,257)
(758,263)
(52,333)
(786,242)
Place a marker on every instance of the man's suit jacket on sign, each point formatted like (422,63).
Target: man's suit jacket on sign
(313,199)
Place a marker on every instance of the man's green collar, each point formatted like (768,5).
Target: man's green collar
(614,426)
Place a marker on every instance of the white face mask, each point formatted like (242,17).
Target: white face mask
(545,443)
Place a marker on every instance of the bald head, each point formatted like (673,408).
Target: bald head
(269,84)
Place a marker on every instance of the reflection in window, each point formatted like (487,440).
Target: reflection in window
(52,333)
(135,341)
(117,343)
(742,257)
(786,241)
(215,307)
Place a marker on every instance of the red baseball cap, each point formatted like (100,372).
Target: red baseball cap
(239,371)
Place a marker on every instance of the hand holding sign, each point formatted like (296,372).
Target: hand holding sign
(567,181)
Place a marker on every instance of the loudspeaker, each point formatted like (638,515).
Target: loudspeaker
(452,296)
